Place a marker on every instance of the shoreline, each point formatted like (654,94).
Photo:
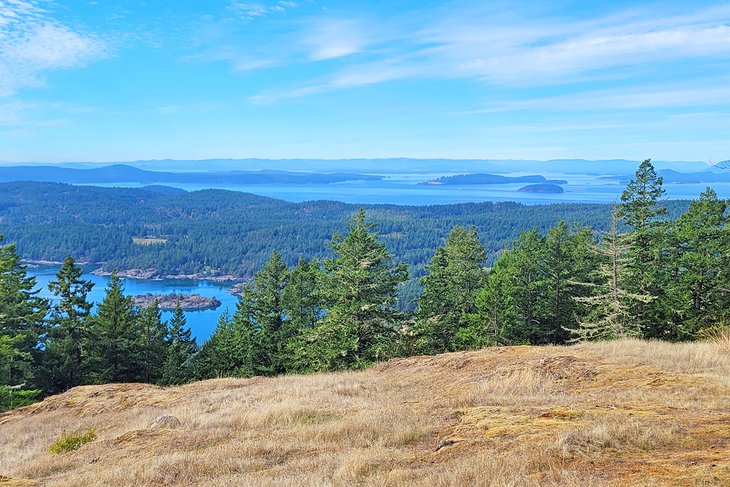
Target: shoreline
(153,275)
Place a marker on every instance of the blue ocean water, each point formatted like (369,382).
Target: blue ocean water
(202,323)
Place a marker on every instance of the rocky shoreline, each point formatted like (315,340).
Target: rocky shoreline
(168,302)
(154,275)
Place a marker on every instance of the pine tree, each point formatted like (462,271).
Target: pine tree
(362,323)
(696,294)
(567,260)
(268,315)
(151,344)
(66,338)
(448,305)
(178,368)
(21,317)
(115,335)
(496,309)
(610,304)
(527,290)
(639,209)
(228,352)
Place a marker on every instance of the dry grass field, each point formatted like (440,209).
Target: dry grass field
(625,413)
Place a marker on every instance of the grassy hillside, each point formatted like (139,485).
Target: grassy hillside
(608,414)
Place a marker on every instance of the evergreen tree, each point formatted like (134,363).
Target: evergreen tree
(696,294)
(362,323)
(66,338)
(178,368)
(266,297)
(496,308)
(567,260)
(229,350)
(448,303)
(639,210)
(609,305)
(527,271)
(151,347)
(115,357)
(305,304)
(21,317)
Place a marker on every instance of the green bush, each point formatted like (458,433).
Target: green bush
(72,441)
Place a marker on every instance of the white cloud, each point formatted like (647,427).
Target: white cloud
(334,38)
(32,43)
(249,10)
(507,48)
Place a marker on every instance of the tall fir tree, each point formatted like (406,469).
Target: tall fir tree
(496,308)
(181,347)
(640,211)
(609,304)
(447,308)
(64,362)
(567,260)
(22,313)
(115,357)
(697,294)
(151,345)
(362,323)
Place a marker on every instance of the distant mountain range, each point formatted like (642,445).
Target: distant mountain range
(715,175)
(614,167)
(221,172)
(123,173)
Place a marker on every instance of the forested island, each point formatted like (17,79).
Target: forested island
(168,302)
(216,233)
(542,188)
(122,173)
(466,179)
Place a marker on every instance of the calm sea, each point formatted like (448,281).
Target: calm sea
(202,323)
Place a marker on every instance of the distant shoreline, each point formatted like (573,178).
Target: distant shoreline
(153,275)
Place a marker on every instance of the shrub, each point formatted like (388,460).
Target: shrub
(72,441)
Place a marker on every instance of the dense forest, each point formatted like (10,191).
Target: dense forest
(646,275)
(216,232)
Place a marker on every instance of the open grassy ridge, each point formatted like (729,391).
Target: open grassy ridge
(609,414)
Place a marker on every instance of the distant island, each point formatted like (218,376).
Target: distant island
(542,188)
(188,302)
(490,179)
(123,173)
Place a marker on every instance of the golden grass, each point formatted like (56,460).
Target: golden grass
(625,413)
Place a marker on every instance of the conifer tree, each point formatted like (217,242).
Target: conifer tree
(496,309)
(151,343)
(178,368)
(447,308)
(22,313)
(640,211)
(362,323)
(64,359)
(115,337)
(229,352)
(610,305)
(696,294)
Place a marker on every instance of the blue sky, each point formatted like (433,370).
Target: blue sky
(126,80)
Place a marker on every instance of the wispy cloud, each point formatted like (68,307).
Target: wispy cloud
(33,43)
(252,10)
(507,48)
(713,92)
